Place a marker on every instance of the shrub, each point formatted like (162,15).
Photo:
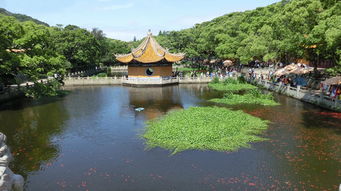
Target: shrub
(241,79)
(230,81)
(101,75)
(226,86)
(52,88)
(254,96)
(215,80)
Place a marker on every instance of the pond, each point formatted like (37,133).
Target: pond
(90,140)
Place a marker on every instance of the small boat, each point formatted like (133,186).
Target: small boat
(139,109)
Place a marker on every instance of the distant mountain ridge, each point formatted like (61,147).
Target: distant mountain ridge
(21,17)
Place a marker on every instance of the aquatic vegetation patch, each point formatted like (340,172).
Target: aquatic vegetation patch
(254,96)
(204,128)
(230,85)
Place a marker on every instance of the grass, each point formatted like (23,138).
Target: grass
(254,96)
(186,69)
(230,85)
(100,75)
(204,128)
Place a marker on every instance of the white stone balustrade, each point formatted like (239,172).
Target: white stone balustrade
(8,180)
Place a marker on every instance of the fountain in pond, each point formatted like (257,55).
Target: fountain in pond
(8,180)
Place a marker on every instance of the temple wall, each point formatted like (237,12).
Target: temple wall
(158,70)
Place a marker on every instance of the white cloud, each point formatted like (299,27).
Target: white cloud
(117,7)
(125,35)
(189,21)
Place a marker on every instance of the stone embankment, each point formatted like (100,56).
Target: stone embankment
(121,80)
(315,97)
(16,91)
(9,94)
(309,95)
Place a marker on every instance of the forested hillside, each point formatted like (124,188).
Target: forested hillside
(31,51)
(284,31)
(21,17)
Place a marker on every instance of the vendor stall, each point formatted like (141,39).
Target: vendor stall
(332,87)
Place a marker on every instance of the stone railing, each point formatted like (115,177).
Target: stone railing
(86,72)
(119,68)
(195,80)
(302,93)
(125,68)
(8,180)
(150,81)
(80,81)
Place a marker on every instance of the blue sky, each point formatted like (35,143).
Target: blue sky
(124,19)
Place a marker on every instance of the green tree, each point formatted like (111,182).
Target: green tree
(40,59)
(79,46)
(10,30)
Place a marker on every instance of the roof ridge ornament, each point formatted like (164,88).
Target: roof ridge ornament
(149,51)
(150,33)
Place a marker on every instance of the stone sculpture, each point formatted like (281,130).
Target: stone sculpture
(8,180)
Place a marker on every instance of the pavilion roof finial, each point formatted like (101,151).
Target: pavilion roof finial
(149,51)
(149,32)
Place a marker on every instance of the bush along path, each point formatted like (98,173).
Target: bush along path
(231,85)
(254,96)
(204,128)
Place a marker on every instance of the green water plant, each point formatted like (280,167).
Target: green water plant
(254,96)
(204,128)
(231,85)
(215,80)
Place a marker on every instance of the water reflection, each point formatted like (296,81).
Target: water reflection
(301,144)
(30,130)
(156,101)
(90,140)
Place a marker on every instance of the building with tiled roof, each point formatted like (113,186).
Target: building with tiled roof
(149,60)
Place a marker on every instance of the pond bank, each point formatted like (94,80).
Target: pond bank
(311,96)
(10,94)
(15,92)
(121,80)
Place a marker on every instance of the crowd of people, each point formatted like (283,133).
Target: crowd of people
(333,91)
(294,79)
(259,64)
(281,75)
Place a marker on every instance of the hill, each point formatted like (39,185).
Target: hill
(21,17)
(284,31)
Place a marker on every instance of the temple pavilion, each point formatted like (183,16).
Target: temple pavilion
(149,64)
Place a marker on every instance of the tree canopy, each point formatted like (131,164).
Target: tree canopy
(284,31)
(31,51)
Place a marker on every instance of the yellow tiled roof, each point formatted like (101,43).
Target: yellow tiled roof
(149,51)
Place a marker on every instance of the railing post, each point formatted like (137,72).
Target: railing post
(298,91)
(321,97)
(337,103)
